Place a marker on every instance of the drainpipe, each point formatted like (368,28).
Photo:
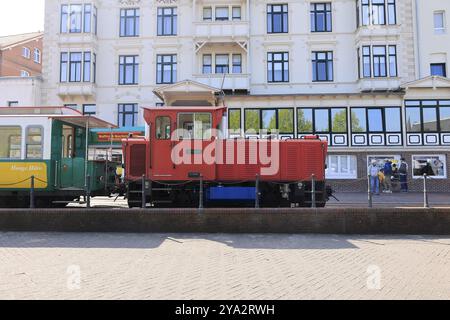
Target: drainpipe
(417,41)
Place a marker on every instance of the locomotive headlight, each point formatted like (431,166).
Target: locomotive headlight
(101,178)
(300,185)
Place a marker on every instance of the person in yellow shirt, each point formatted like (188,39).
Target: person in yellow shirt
(381,177)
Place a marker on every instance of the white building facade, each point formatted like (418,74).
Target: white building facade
(370,76)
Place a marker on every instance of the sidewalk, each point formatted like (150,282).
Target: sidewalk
(413,199)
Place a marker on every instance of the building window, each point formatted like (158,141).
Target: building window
(236,13)
(10,142)
(207,14)
(37,55)
(128,70)
(277,18)
(234,122)
(379,61)
(322,121)
(392,12)
(438,69)
(341,167)
(237,63)
(24,73)
(376,120)
(89,109)
(322,66)
(167,21)
(75,66)
(433,165)
(87,67)
(376,125)
(129,22)
(34,146)
(392,61)
(63,68)
(377,12)
(321,17)
(222,63)
(166,70)
(222,13)
(278,67)
(13,103)
(87,21)
(439,22)
(269,121)
(75,17)
(367,73)
(428,116)
(75,63)
(127,115)
(207,64)
(26,52)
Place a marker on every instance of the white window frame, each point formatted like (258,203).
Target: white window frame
(353,174)
(24,73)
(26,52)
(37,55)
(439,30)
(442,158)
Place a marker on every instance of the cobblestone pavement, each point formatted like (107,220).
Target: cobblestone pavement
(222,266)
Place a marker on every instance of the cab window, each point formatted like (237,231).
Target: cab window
(163,128)
(10,142)
(195,125)
(34,147)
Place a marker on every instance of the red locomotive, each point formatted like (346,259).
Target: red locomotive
(184,161)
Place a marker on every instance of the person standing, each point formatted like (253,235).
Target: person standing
(388,176)
(374,179)
(403,175)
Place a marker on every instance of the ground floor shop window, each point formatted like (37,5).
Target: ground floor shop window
(380,160)
(433,165)
(341,167)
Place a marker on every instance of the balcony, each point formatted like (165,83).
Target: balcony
(76,38)
(378,32)
(77,89)
(231,82)
(379,84)
(219,31)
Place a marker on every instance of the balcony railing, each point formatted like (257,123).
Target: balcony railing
(231,82)
(77,89)
(222,29)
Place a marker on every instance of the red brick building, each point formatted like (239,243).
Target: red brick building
(21,55)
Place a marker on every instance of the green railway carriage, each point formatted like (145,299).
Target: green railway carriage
(51,145)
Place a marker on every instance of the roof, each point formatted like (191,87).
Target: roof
(84,121)
(184,109)
(17,39)
(184,87)
(64,114)
(428,82)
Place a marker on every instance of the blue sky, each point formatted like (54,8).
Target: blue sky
(21,16)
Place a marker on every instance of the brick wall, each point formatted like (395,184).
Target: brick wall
(12,61)
(329,220)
